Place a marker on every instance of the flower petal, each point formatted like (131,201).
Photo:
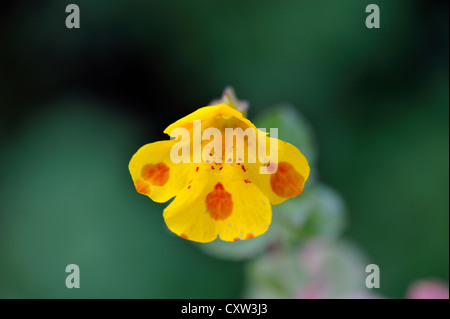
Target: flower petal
(286,177)
(155,175)
(209,116)
(219,203)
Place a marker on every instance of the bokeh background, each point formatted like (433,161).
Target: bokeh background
(76,104)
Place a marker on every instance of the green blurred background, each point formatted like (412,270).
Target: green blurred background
(76,104)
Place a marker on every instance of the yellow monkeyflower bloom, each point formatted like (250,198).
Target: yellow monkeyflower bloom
(222,195)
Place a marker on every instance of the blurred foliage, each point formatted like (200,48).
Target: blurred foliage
(321,269)
(76,104)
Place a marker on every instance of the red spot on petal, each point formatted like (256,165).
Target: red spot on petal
(156,174)
(219,203)
(142,187)
(286,182)
(243,168)
(183,235)
(249,236)
(189,187)
(220,168)
(212,167)
(196,169)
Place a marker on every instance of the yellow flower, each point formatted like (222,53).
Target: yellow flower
(221,195)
